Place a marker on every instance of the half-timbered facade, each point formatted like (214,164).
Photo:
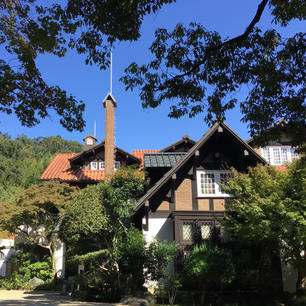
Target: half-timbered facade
(184,204)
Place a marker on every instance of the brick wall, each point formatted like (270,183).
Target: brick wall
(183,195)
(219,204)
(164,205)
(203,204)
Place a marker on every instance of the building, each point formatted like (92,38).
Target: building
(185,198)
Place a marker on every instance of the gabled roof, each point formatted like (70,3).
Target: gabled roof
(59,169)
(187,157)
(109,97)
(99,147)
(140,154)
(185,140)
(65,166)
(161,160)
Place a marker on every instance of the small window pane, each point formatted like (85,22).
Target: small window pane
(94,166)
(101,165)
(117,165)
(285,153)
(266,154)
(276,156)
(294,154)
(187,231)
(223,180)
(89,141)
(205,231)
(208,183)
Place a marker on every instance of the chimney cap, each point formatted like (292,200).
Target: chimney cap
(109,97)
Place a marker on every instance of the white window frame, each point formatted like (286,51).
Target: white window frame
(89,141)
(217,181)
(94,165)
(271,149)
(116,165)
(101,165)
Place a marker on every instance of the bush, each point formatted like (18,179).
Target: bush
(26,267)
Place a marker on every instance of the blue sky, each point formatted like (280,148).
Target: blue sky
(136,128)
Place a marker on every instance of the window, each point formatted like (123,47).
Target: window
(94,166)
(205,231)
(266,154)
(101,165)
(210,183)
(187,231)
(279,155)
(89,141)
(117,165)
(195,230)
(276,156)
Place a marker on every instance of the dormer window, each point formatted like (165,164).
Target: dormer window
(279,155)
(94,166)
(101,165)
(89,141)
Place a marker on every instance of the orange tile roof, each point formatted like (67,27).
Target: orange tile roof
(281,168)
(59,169)
(140,154)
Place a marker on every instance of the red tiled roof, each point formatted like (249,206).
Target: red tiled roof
(281,168)
(140,154)
(59,169)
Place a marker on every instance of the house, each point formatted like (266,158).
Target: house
(185,198)
(189,191)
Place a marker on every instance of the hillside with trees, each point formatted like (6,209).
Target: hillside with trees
(22,161)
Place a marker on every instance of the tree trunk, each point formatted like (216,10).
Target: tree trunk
(203,293)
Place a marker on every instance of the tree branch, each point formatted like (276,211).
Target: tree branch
(237,39)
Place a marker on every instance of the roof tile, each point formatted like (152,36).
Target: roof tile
(140,154)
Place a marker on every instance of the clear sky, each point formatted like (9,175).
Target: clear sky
(136,128)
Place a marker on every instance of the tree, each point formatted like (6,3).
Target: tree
(30,27)
(36,213)
(191,64)
(268,208)
(200,72)
(94,228)
(22,161)
(209,265)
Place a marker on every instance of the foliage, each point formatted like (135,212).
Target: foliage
(158,256)
(201,72)
(22,160)
(97,237)
(191,64)
(269,208)
(36,213)
(32,27)
(209,265)
(26,267)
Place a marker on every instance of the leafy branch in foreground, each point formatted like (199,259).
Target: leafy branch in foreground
(201,72)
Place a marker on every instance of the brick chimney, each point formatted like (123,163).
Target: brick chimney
(109,104)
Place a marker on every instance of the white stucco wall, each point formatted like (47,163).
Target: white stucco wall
(159,228)
(8,251)
(60,258)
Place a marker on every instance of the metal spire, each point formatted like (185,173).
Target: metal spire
(111,71)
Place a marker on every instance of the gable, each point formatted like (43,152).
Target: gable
(219,148)
(182,145)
